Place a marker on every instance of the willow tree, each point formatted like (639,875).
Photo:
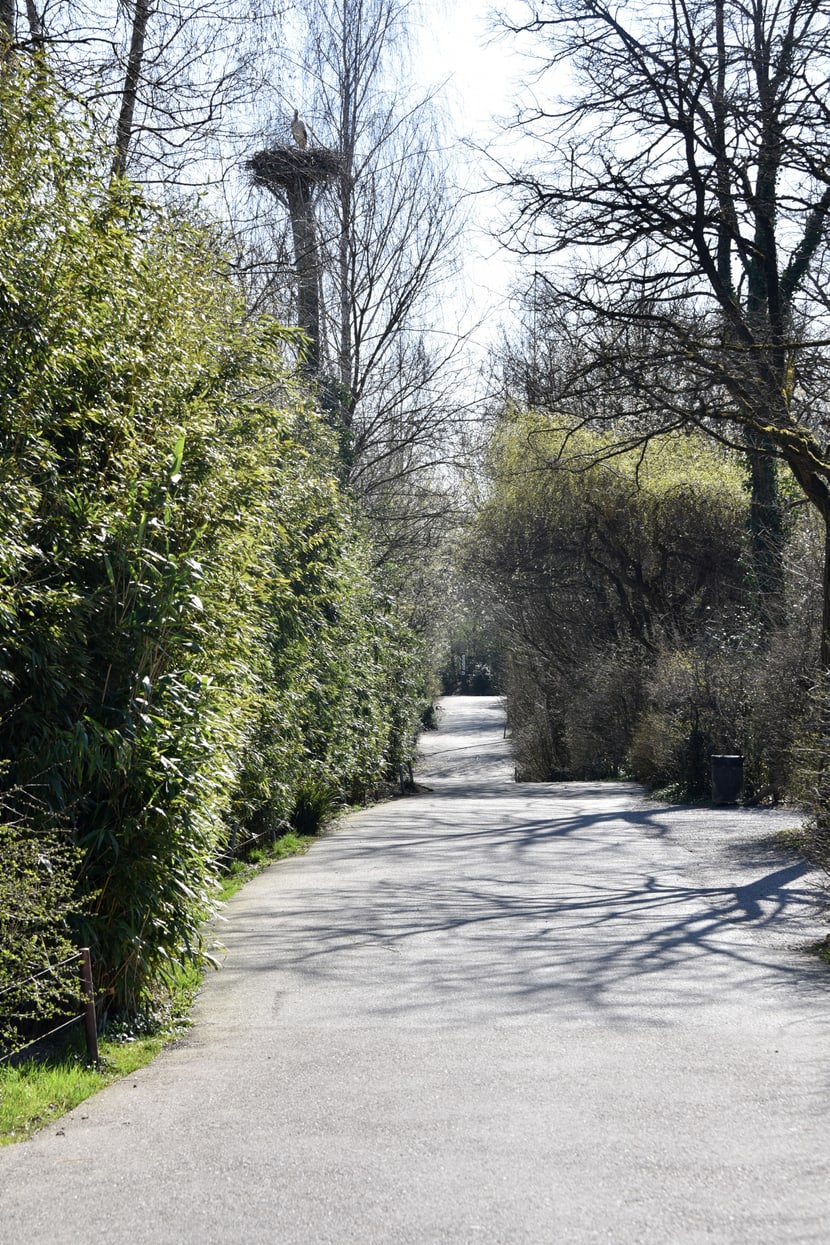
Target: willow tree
(677,205)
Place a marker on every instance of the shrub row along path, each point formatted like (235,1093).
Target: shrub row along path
(487,1013)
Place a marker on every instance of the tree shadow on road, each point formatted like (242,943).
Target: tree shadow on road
(516,915)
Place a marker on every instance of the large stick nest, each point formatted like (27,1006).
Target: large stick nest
(283,166)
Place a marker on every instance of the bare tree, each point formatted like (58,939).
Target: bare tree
(679,211)
(173,83)
(132,80)
(387,229)
(10,35)
(180,87)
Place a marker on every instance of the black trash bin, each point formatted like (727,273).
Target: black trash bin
(727,779)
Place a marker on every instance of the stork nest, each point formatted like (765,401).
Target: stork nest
(282,166)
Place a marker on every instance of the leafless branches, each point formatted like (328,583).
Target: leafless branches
(387,231)
(681,221)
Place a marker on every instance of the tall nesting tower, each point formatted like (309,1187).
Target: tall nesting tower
(293,174)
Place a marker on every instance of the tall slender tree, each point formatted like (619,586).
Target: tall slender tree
(125,126)
(388,227)
(678,205)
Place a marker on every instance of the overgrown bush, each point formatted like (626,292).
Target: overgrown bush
(634,644)
(602,565)
(785,672)
(737,691)
(189,629)
(697,704)
(37,989)
(812,772)
(796,722)
(603,707)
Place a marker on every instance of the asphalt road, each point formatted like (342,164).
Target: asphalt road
(487,1013)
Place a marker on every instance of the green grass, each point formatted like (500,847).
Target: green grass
(35,1092)
(241,871)
(39,1090)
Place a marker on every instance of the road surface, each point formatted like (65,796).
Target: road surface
(488,1013)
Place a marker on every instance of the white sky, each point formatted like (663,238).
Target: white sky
(457,44)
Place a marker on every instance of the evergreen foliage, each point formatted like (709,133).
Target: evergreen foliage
(36,902)
(189,629)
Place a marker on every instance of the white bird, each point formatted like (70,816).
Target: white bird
(298,131)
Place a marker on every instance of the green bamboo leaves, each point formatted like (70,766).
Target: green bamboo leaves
(190,632)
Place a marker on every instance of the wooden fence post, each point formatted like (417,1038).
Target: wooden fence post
(90,1022)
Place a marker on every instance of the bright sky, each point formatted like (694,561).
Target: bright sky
(460,46)
(482,73)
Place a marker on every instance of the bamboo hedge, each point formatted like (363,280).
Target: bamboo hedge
(191,636)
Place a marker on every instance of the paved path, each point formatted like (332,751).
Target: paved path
(490,1013)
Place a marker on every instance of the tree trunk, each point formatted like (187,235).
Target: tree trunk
(308,270)
(7,24)
(347,147)
(132,77)
(767,532)
(825,619)
(35,26)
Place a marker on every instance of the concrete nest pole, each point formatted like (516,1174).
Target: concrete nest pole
(292,174)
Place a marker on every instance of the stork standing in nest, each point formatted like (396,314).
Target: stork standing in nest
(293,174)
(298,131)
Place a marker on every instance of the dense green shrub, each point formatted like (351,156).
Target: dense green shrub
(37,987)
(601,564)
(344,683)
(190,634)
(137,452)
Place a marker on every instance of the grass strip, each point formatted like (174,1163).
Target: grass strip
(39,1090)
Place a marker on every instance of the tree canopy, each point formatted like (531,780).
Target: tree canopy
(678,207)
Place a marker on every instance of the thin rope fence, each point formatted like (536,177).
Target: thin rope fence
(44,972)
(87,1015)
(230,854)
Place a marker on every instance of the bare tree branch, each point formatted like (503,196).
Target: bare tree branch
(682,217)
